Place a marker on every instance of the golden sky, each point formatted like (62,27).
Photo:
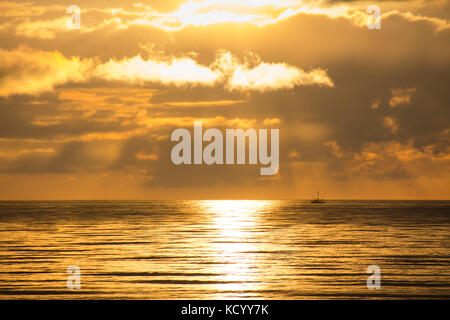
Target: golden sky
(87,113)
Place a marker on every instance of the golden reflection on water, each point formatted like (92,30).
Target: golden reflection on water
(223,249)
(234,250)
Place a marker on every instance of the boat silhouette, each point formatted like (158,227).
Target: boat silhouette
(318,200)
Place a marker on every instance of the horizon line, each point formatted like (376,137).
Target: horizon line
(286,199)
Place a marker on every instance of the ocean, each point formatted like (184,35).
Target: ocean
(287,249)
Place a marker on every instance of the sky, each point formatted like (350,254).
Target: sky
(88,112)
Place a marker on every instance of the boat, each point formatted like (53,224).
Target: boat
(318,200)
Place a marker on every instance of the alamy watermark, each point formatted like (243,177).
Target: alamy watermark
(374,22)
(74,20)
(213,153)
(74,280)
(374,280)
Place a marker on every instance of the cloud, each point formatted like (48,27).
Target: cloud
(391,124)
(335,148)
(68,157)
(391,160)
(439,24)
(226,68)
(375,104)
(267,76)
(188,122)
(28,71)
(271,122)
(401,97)
(400,158)
(26,152)
(14,9)
(49,22)
(266,12)
(176,72)
(201,104)
(254,74)
(147,156)
(41,29)
(209,12)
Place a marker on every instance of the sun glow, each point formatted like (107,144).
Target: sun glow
(235,219)
(208,12)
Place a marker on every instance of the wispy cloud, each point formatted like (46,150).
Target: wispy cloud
(29,71)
